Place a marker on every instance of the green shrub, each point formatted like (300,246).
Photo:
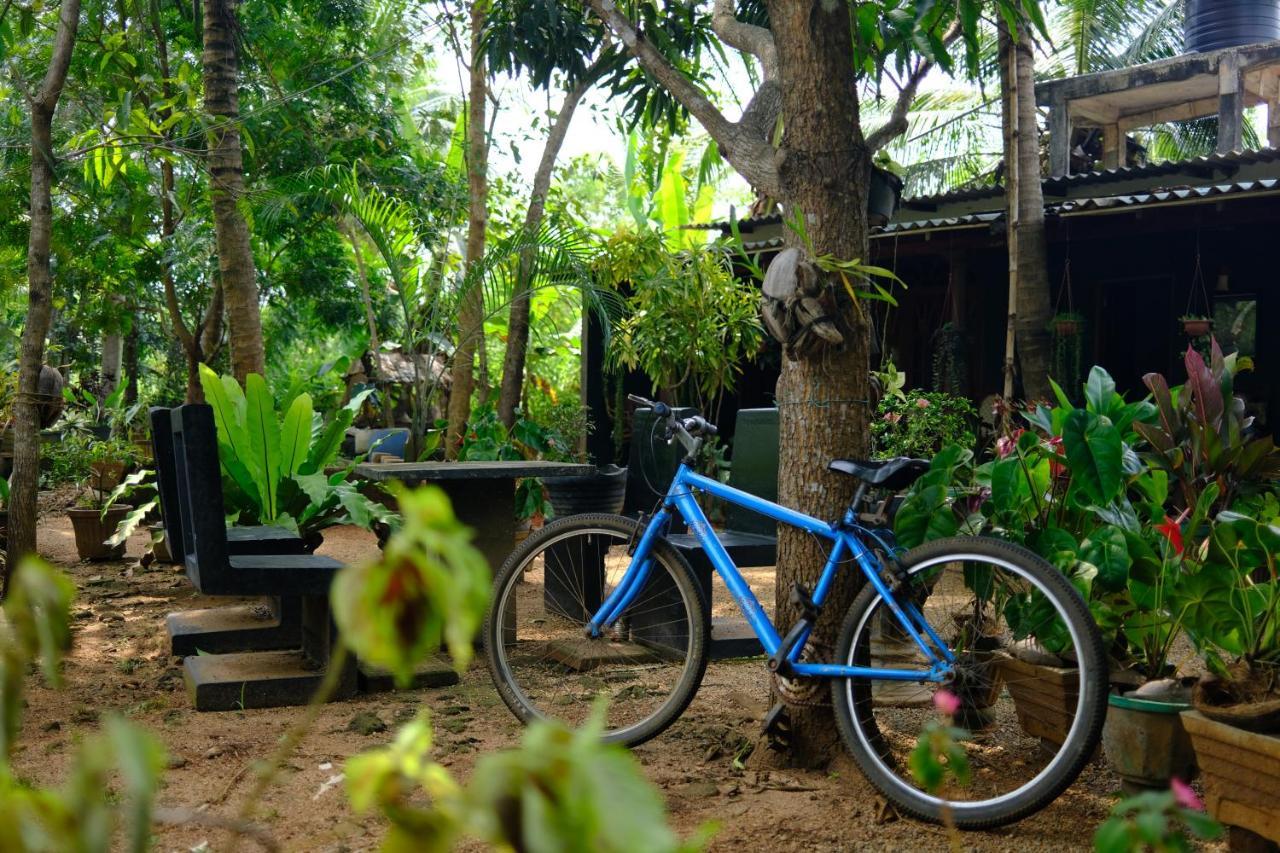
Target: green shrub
(921,423)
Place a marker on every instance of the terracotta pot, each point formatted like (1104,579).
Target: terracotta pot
(1241,774)
(160,544)
(92,530)
(1197,328)
(1066,328)
(1045,697)
(1146,744)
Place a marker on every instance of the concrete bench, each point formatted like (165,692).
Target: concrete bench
(273,623)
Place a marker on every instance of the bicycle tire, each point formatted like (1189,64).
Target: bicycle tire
(667,560)
(854,704)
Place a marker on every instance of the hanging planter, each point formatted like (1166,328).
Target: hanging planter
(1196,326)
(1067,325)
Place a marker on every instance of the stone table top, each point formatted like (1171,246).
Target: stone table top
(412,473)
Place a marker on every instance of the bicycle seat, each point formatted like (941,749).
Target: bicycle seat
(897,473)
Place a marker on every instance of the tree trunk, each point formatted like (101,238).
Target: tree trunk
(131,361)
(823,401)
(24,482)
(226,186)
(518,320)
(1035,304)
(471,313)
(112,361)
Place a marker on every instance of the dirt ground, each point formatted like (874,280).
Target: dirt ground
(120,665)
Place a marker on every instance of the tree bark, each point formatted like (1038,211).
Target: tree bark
(513,362)
(471,314)
(226,187)
(24,482)
(1035,303)
(370,317)
(824,168)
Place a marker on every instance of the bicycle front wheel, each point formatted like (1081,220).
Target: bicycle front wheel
(646,667)
(1024,716)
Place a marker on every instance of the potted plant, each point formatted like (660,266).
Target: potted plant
(885,190)
(109,460)
(1232,599)
(1196,325)
(1066,324)
(1143,737)
(99,512)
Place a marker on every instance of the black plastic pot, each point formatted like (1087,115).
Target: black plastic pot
(883,196)
(603,491)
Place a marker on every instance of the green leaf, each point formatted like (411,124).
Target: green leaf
(1095,454)
(1108,550)
(264,443)
(295,436)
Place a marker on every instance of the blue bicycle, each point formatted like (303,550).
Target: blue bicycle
(601,605)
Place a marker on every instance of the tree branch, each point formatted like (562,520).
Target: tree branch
(897,123)
(747,38)
(750,155)
(56,76)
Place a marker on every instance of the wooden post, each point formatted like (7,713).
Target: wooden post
(1112,143)
(1059,139)
(1011,216)
(1230,105)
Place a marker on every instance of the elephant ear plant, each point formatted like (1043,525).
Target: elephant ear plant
(281,470)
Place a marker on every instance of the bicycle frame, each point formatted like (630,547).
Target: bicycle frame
(847,536)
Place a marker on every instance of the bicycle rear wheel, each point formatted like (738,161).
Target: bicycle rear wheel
(1025,732)
(647,666)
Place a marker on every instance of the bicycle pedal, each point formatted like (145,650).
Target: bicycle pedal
(777,728)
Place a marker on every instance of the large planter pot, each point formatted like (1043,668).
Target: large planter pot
(1197,328)
(1241,774)
(603,491)
(1044,697)
(93,529)
(1145,742)
(883,196)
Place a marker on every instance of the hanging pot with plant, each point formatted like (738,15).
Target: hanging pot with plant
(1196,325)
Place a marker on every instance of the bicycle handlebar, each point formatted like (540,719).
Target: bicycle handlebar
(694,426)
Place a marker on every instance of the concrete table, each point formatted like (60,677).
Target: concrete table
(483,493)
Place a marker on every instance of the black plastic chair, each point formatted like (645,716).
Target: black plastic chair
(273,623)
(259,679)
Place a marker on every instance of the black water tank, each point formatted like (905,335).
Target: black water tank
(1215,24)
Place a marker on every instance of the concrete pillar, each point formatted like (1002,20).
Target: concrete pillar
(1230,105)
(1273,123)
(1059,139)
(1112,140)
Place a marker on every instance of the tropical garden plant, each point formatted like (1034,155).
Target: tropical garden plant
(283,469)
(921,423)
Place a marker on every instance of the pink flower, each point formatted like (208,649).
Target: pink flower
(1005,444)
(892,417)
(1184,795)
(922,403)
(946,702)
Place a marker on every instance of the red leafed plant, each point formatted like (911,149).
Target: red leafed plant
(1202,433)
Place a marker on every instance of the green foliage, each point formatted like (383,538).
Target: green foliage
(921,423)
(113,778)
(1155,821)
(559,791)
(1200,438)
(487,439)
(689,325)
(428,588)
(1231,601)
(277,470)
